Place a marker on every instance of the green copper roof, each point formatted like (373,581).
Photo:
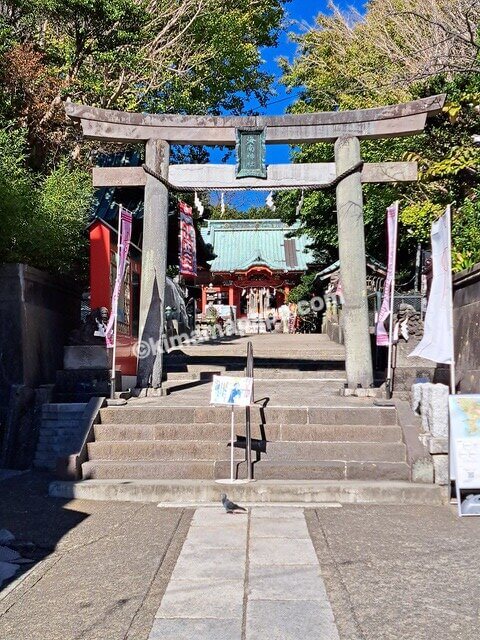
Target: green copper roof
(240,244)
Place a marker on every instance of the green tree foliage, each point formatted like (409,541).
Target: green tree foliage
(184,56)
(64,203)
(17,193)
(399,50)
(187,56)
(304,290)
(43,218)
(214,212)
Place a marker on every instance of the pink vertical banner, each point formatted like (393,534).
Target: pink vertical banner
(387,302)
(124,236)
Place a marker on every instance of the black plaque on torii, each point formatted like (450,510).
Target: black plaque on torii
(251,153)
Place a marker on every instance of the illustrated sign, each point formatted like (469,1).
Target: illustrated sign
(187,242)
(232,391)
(465,443)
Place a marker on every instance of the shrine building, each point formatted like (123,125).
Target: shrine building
(257,263)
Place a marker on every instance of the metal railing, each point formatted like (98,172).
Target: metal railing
(249,371)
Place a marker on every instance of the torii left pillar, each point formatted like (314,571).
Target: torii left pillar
(154,266)
(353,272)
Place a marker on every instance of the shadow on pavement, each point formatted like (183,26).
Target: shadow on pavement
(37,521)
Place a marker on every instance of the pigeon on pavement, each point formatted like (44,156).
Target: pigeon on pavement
(230,507)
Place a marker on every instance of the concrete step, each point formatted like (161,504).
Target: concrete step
(61,420)
(191,375)
(328,470)
(324,451)
(306,493)
(200,372)
(186,450)
(196,369)
(332,414)
(264,469)
(54,408)
(276,432)
(58,433)
(337,377)
(209,450)
(79,396)
(168,450)
(294,360)
(146,469)
(340,433)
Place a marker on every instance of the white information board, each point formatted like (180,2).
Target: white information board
(465,443)
(232,391)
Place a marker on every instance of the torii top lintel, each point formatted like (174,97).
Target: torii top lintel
(382,122)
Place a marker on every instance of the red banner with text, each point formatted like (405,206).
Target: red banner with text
(187,242)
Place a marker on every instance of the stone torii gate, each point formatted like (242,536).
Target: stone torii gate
(250,133)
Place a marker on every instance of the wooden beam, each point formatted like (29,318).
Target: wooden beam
(381,122)
(216,177)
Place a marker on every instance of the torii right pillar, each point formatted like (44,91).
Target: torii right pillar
(353,269)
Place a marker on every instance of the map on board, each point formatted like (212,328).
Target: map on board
(465,416)
(465,440)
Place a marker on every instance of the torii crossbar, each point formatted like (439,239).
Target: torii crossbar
(344,128)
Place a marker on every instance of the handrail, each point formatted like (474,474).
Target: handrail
(249,372)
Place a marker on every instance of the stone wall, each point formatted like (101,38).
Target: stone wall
(37,312)
(466,316)
(430,401)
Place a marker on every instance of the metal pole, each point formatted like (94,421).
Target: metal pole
(232,442)
(248,415)
(449,262)
(392,303)
(453,387)
(115,309)
(418,260)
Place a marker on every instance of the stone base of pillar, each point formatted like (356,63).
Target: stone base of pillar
(149,392)
(362,393)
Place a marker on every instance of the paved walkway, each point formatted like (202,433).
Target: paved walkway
(248,576)
(307,370)
(102,570)
(313,347)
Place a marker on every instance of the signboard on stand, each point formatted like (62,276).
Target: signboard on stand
(232,391)
(465,449)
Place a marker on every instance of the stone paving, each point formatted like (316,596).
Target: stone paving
(391,572)
(252,576)
(306,347)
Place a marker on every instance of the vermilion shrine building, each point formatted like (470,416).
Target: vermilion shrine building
(257,263)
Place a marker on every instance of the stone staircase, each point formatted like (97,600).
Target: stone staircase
(59,432)
(333,442)
(309,443)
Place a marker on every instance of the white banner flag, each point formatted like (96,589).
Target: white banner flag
(383,338)
(437,341)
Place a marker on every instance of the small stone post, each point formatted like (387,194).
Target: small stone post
(154,265)
(353,271)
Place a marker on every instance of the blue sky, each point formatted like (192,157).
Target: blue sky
(302,13)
